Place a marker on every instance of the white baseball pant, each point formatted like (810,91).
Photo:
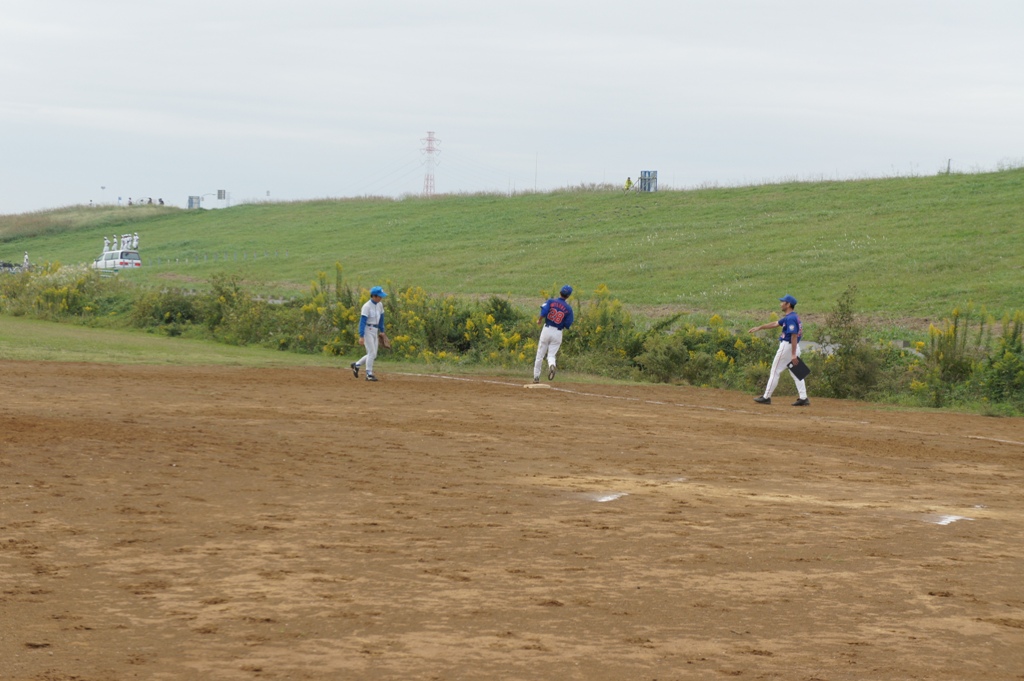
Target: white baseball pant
(550,341)
(782,358)
(370,341)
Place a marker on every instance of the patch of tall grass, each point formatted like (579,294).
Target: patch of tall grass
(961,365)
(64,220)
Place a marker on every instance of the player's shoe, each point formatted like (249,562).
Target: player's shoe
(802,402)
(371,377)
(763,400)
(355,369)
(536,379)
(551,372)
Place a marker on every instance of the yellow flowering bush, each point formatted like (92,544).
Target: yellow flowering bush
(959,362)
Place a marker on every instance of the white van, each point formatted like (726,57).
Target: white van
(117,260)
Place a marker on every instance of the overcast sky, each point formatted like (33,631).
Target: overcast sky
(307,99)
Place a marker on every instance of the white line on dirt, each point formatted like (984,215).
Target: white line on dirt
(677,404)
(994,439)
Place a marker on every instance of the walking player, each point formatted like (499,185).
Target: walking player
(555,315)
(371,324)
(789,351)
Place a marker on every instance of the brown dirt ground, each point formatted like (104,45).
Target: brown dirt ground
(231,523)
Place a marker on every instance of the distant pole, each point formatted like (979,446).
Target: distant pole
(536,162)
(430,150)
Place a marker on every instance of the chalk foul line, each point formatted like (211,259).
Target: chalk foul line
(682,405)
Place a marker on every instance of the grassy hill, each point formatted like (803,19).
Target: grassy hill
(915,247)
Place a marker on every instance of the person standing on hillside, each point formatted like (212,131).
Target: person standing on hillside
(555,316)
(371,326)
(788,352)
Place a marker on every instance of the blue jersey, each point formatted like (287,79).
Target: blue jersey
(791,326)
(557,313)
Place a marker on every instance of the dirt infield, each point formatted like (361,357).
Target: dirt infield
(220,523)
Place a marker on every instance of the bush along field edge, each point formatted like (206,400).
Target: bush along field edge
(969,361)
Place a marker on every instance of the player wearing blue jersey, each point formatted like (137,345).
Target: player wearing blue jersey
(788,352)
(371,326)
(555,316)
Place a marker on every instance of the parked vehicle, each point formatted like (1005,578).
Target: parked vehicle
(117,260)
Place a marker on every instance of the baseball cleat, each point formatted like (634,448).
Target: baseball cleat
(763,400)
(802,402)
(551,372)
(536,379)
(371,377)
(355,369)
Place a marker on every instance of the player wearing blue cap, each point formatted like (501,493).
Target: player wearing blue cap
(371,325)
(789,351)
(555,315)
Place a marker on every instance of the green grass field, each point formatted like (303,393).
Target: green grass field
(23,339)
(35,340)
(915,247)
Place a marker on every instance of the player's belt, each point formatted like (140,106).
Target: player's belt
(372,325)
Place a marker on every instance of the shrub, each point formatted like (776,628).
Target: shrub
(852,368)
(705,356)
(168,309)
(234,315)
(13,290)
(327,319)
(603,326)
(418,322)
(504,312)
(702,368)
(664,357)
(899,371)
(950,360)
(496,333)
(60,292)
(947,349)
(1004,369)
(111,302)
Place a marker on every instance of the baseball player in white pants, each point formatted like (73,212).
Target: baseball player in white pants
(789,351)
(550,341)
(371,343)
(371,325)
(784,356)
(555,314)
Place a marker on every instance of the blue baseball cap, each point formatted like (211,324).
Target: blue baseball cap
(566,291)
(378,291)
(788,299)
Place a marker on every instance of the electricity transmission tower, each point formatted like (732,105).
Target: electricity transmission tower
(430,150)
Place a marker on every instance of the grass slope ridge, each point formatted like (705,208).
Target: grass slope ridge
(915,247)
